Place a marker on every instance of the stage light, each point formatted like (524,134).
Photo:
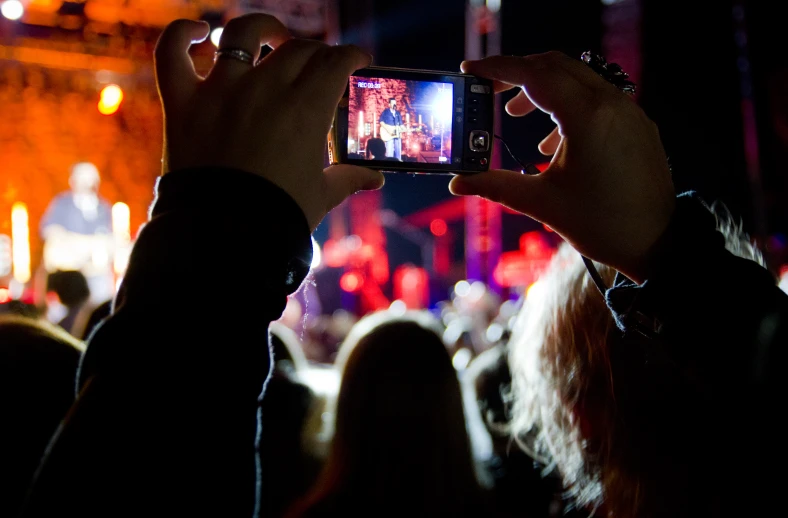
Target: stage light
(20,242)
(495,5)
(438,227)
(353,243)
(443,104)
(110,98)
(477,291)
(462,288)
(121,225)
(216,35)
(12,9)
(121,228)
(6,260)
(494,332)
(5,295)
(351,282)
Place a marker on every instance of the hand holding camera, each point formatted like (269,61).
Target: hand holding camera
(608,189)
(270,119)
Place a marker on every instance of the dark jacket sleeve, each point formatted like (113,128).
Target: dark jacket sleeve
(727,311)
(166,415)
(719,322)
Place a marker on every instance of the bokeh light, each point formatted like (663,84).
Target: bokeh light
(216,36)
(110,99)
(12,9)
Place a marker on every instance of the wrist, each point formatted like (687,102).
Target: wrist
(689,233)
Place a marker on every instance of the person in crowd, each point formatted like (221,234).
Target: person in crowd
(288,469)
(376,149)
(626,429)
(73,293)
(167,414)
(518,484)
(166,417)
(400,445)
(696,331)
(38,366)
(77,232)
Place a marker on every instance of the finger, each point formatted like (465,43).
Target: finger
(550,143)
(324,80)
(175,74)
(344,180)
(289,59)
(519,105)
(249,32)
(498,86)
(529,195)
(545,81)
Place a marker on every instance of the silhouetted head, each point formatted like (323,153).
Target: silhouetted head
(376,148)
(400,442)
(38,369)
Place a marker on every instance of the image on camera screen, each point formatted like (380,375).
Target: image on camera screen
(400,120)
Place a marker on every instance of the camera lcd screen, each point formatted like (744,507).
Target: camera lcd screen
(400,120)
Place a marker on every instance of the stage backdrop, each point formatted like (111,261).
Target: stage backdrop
(50,121)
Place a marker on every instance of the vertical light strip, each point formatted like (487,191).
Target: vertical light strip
(121,228)
(20,242)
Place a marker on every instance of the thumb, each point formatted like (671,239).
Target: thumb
(174,67)
(529,195)
(344,180)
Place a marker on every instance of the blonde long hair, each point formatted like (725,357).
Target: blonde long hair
(576,389)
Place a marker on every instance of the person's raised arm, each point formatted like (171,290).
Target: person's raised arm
(166,417)
(608,191)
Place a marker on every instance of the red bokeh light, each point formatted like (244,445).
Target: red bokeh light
(411,285)
(438,227)
(351,282)
(334,254)
(5,295)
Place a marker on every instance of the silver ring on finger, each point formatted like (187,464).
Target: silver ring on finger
(239,54)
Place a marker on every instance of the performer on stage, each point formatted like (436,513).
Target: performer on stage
(391,129)
(77,232)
